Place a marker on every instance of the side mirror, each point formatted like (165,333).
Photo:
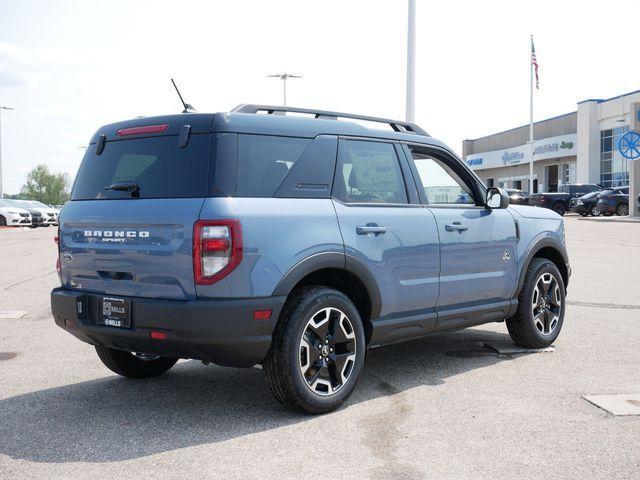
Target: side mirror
(497,198)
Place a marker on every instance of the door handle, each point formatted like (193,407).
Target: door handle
(371,228)
(455,227)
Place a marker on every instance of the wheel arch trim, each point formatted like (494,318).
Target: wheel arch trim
(545,242)
(332,260)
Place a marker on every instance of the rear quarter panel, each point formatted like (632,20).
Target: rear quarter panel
(277,234)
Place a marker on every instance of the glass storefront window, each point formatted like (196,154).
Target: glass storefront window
(614,169)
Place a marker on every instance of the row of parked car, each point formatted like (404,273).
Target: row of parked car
(27,213)
(584,199)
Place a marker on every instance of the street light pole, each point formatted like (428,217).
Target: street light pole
(2,107)
(411,62)
(284,77)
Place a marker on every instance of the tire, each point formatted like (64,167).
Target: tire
(533,325)
(3,221)
(298,378)
(594,212)
(560,209)
(622,209)
(132,365)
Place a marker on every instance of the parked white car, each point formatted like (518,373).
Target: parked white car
(11,215)
(41,214)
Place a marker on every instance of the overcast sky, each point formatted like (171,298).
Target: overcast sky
(69,67)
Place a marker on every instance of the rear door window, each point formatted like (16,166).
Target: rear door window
(157,165)
(264,161)
(368,172)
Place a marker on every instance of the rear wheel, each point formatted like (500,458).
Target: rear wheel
(560,209)
(317,351)
(134,365)
(541,303)
(622,209)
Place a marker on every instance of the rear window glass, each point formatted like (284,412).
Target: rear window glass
(158,167)
(264,161)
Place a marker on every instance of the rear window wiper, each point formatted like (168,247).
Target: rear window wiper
(125,187)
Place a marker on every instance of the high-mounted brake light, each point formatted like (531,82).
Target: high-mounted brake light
(217,249)
(140,130)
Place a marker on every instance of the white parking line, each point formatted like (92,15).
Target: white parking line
(12,314)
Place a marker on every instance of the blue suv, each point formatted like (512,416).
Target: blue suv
(295,239)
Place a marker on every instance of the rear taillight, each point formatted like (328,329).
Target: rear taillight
(217,249)
(56,239)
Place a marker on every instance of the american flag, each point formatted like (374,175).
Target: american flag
(534,62)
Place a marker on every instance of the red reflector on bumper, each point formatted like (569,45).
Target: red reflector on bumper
(262,314)
(158,335)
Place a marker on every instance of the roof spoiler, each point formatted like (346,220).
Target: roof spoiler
(396,125)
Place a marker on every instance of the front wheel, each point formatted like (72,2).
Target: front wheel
(317,351)
(541,306)
(595,211)
(134,365)
(3,221)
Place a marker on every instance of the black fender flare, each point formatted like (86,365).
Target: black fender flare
(334,260)
(544,242)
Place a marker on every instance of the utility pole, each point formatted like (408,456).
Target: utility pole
(2,107)
(284,77)
(411,63)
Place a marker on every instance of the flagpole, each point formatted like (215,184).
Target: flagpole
(531,116)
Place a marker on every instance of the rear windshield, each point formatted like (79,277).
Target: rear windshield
(157,166)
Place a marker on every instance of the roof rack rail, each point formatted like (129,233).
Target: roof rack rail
(398,126)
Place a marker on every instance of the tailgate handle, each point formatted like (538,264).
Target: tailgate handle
(115,275)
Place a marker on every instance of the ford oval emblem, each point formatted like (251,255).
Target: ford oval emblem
(67,257)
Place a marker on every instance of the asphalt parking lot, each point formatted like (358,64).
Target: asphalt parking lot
(439,407)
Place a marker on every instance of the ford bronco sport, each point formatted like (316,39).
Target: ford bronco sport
(295,242)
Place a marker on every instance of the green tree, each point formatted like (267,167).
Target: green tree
(45,186)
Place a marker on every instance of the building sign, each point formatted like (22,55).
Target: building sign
(543,149)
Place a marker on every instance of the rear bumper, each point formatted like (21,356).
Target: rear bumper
(218,331)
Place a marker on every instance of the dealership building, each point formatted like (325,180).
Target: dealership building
(577,147)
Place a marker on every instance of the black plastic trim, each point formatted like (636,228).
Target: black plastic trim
(539,245)
(218,331)
(335,260)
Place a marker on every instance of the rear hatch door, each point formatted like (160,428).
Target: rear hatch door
(135,239)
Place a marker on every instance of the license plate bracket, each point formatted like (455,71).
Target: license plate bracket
(115,312)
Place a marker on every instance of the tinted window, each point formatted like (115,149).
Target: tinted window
(584,188)
(264,161)
(441,184)
(368,172)
(156,165)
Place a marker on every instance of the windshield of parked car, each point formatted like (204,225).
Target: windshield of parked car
(4,203)
(591,195)
(606,192)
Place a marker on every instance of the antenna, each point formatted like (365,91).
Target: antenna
(187,108)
